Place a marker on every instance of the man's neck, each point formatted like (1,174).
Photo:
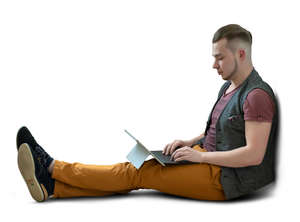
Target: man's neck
(241,76)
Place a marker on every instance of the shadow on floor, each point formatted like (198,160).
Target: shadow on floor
(263,193)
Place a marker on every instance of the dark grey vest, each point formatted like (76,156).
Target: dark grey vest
(230,134)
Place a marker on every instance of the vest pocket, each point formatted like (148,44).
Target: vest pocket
(236,122)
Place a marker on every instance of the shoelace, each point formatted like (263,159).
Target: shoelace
(41,156)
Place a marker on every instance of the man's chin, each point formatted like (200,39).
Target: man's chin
(224,77)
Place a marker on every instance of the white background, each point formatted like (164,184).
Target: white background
(77,73)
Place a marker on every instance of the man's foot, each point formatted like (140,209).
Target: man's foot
(24,136)
(32,167)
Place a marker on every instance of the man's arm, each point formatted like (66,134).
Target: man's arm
(194,140)
(257,135)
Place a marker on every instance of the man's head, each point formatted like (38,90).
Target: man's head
(232,50)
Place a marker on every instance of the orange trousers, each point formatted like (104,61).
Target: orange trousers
(196,181)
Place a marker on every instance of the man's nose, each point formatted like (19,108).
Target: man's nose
(215,65)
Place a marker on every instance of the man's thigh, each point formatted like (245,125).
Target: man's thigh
(200,181)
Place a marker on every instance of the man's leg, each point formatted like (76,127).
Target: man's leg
(199,181)
(78,179)
(36,165)
(63,190)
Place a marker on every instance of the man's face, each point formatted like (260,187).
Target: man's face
(225,62)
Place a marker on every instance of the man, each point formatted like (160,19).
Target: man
(234,156)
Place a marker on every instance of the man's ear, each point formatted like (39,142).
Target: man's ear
(242,54)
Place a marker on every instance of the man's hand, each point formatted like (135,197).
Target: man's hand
(187,153)
(170,148)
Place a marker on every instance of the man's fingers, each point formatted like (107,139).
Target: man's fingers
(174,146)
(179,158)
(172,156)
(176,154)
(172,149)
(165,149)
(168,149)
(179,153)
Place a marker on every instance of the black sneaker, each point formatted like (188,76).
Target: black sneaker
(24,136)
(34,172)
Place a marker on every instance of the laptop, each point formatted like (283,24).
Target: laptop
(139,153)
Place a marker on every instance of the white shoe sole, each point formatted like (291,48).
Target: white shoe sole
(27,169)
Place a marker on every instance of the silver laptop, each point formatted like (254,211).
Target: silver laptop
(139,153)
